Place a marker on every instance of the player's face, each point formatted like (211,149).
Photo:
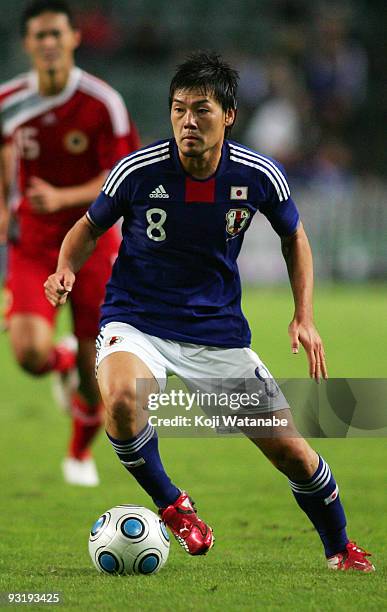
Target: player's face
(198,122)
(50,41)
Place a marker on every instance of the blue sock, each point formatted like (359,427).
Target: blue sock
(140,456)
(319,498)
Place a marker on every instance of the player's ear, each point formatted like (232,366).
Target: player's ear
(77,38)
(230,117)
(26,44)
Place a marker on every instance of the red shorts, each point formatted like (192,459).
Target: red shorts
(28,271)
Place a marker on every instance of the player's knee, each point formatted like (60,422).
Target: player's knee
(294,460)
(121,402)
(31,359)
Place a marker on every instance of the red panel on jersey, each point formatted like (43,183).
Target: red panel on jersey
(199,191)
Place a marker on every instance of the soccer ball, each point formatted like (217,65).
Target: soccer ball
(129,539)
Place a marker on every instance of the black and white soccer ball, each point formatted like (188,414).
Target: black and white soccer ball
(129,539)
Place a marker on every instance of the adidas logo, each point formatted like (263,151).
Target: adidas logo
(159,192)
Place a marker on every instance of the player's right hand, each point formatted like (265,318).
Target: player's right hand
(58,286)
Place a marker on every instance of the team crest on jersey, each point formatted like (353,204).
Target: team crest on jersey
(236,220)
(76,142)
(113,340)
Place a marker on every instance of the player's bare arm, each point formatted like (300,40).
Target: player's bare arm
(6,154)
(4,213)
(46,198)
(78,244)
(298,256)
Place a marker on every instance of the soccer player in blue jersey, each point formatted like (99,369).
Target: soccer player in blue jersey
(173,303)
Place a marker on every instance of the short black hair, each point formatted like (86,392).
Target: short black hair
(209,73)
(37,7)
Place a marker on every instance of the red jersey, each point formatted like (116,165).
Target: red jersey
(65,139)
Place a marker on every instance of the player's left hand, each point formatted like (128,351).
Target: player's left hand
(306,334)
(44,197)
(58,286)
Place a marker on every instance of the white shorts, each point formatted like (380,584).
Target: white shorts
(193,363)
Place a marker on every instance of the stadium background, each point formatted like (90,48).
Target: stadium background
(311,95)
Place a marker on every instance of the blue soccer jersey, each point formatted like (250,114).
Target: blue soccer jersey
(176,275)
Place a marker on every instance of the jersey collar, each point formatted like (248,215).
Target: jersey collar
(218,172)
(65,94)
(28,104)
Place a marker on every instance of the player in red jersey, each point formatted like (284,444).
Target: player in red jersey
(61,131)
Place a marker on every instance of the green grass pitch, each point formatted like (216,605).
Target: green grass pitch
(266,556)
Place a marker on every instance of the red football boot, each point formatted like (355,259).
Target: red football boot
(352,558)
(189,530)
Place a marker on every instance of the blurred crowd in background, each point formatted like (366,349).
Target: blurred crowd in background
(311,95)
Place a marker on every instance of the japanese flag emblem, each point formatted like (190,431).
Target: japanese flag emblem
(238,193)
